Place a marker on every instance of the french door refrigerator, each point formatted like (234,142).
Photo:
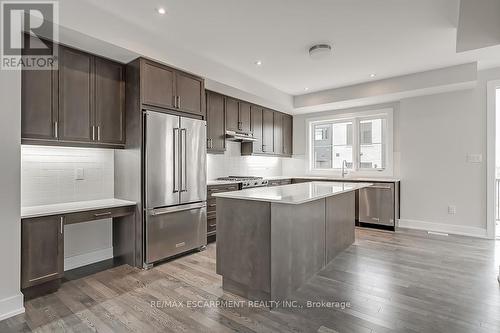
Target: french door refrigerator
(175,185)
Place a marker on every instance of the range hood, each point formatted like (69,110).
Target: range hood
(239,137)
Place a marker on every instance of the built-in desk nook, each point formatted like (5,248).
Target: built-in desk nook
(42,233)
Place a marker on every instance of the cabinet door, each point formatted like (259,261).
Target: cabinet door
(232,111)
(190,93)
(256,120)
(244,117)
(287,135)
(109,102)
(267,131)
(158,85)
(75,87)
(42,246)
(38,102)
(278,133)
(216,135)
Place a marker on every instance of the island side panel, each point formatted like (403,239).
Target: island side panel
(340,223)
(243,247)
(297,245)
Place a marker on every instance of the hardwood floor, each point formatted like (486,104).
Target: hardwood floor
(391,282)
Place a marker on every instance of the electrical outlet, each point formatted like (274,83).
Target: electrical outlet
(452,210)
(474,158)
(79,174)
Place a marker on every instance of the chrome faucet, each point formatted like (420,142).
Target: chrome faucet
(344,167)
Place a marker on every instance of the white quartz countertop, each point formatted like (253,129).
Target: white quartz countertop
(349,179)
(72,207)
(222,182)
(293,194)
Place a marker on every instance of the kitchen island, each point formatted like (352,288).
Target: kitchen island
(270,240)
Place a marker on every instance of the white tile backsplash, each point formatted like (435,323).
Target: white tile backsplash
(49,174)
(231,163)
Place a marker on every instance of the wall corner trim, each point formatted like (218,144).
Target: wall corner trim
(11,306)
(443,227)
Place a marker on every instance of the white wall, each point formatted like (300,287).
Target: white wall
(48,177)
(432,136)
(231,163)
(11,299)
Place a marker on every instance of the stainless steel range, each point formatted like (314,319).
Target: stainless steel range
(246,181)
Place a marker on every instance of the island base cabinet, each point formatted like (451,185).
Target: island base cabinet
(267,250)
(340,223)
(42,252)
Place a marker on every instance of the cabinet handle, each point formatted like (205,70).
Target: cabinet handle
(179,102)
(61,224)
(98,133)
(175,101)
(102,214)
(93,133)
(263,148)
(56,130)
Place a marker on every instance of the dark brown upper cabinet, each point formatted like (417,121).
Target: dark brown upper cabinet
(158,85)
(75,96)
(80,104)
(39,105)
(237,115)
(273,131)
(42,250)
(168,88)
(244,117)
(267,131)
(232,114)
(278,133)
(256,123)
(287,135)
(109,102)
(190,93)
(216,133)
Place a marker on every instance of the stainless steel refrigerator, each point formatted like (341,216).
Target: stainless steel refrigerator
(175,185)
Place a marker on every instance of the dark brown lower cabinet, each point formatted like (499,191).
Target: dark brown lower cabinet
(211,204)
(42,250)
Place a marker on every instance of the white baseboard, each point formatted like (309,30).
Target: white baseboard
(442,227)
(11,306)
(87,258)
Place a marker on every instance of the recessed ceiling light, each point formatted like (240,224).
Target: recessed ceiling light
(161,11)
(373,75)
(306,89)
(258,62)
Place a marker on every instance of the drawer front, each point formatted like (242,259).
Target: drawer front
(211,206)
(218,189)
(211,226)
(98,214)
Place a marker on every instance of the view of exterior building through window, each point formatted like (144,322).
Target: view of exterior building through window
(338,141)
(371,153)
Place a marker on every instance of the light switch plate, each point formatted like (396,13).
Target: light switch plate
(79,174)
(474,158)
(452,210)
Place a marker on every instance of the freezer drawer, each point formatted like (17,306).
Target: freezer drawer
(377,204)
(174,230)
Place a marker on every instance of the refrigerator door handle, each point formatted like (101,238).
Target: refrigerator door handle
(167,210)
(184,160)
(176,160)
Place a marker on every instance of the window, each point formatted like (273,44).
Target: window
(360,140)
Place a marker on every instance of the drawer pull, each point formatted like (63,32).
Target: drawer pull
(102,214)
(212,205)
(212,225)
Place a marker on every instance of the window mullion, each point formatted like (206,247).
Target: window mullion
(355,144)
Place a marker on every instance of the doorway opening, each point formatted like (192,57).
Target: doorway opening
(497,162)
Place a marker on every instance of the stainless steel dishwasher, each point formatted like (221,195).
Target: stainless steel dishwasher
(377,204)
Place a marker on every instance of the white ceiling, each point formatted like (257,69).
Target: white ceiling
(387,37)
